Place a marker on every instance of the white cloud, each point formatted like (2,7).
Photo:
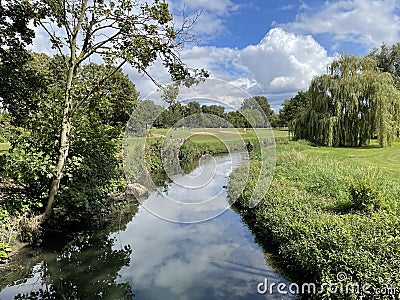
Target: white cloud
(287,7)
(361,21)
(281,64)
(283,61)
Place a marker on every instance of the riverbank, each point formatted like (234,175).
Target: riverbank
(16,227)
(149,258)
(332,220)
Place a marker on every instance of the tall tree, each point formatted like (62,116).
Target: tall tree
(214,110)
(253,117)
(388,60)
(350,105)
(16,83)
(147,113)
(121,31)
(291,109)
(94,158)
(192,108)
(263,105)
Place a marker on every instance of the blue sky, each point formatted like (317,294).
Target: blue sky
(274,47)
(247,22)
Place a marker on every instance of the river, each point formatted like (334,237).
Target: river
(147,257)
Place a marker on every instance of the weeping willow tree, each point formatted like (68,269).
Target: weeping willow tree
(351,104)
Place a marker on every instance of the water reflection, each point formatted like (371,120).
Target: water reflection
(211,260)
(150,258)
(197,196)
(85,267)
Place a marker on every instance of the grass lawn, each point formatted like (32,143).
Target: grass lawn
(386,159)
(224,133)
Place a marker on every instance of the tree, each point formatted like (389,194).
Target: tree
(146,114)
(350,105)
(291,109)
(192,108)
(214,110)
(253,118)
(236,119)
(263,105)
(121,31)
(275,120)
(16,85)
(388,60)
(94,154)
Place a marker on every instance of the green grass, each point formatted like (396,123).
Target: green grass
(280,133)
(223,133)
(386,159)
(4,146)
(312,218)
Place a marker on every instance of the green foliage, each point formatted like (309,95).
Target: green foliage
(308,217)
(146,114)
(6,234)
(351,105)
(216,110)
(388,60)
(291,109)
(237,120)
(254,119)
(365,193)
(191,151)
(4,250)
(94,155)
(259,103)
(153,154)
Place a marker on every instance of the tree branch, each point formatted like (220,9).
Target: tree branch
(53,38)
(98,85)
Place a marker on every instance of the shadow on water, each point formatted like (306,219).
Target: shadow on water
(82,266)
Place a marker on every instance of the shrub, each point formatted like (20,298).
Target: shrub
(365,194)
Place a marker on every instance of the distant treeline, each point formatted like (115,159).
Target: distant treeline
(254,112)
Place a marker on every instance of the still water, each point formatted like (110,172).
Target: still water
(143,256)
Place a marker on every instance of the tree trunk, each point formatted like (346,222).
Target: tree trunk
(64,146)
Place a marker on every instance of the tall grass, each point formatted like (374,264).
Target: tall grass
(312,216)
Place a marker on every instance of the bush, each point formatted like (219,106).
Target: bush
(365,194)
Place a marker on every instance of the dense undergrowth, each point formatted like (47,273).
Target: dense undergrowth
(331,224)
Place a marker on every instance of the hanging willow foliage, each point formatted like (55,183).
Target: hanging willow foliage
(351,104)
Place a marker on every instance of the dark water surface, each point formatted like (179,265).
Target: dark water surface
(150,258)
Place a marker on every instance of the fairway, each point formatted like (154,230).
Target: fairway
(386,159)
(223,133)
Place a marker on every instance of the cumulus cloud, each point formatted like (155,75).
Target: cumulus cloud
(363,21)
(279,66)
(218,61)
(283,61)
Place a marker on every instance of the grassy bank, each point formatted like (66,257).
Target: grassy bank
(329,212)
(196,142)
